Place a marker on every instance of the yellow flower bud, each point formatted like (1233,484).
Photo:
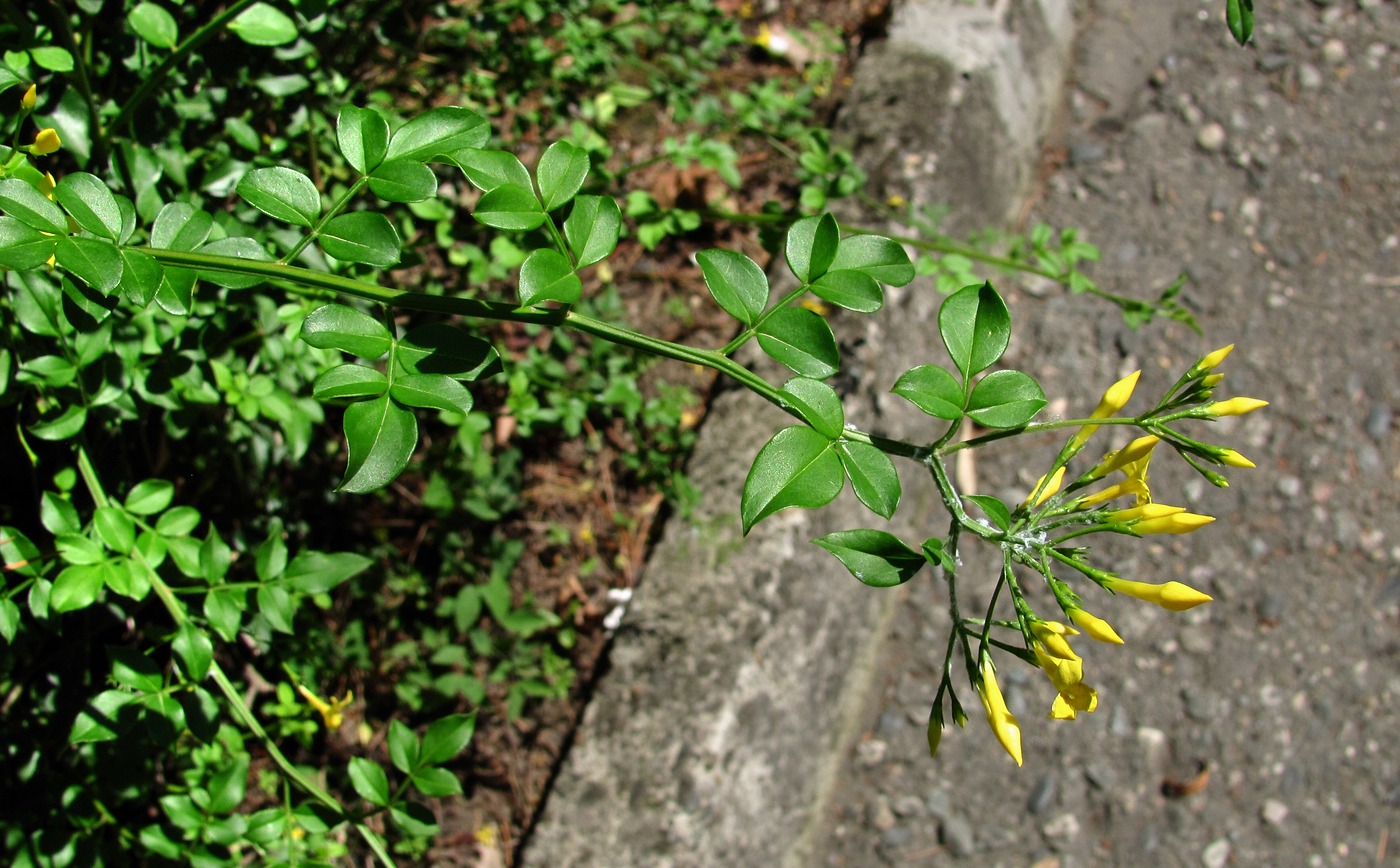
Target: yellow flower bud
(331,712)
(1180,522)
(1142,513)
(1051,636)
(26,102)
(1113,400)
(1130,454)
(1172,595)
(935,734)
(1003,723)
(1045,488)
(1231,458)
(1095,627)
(46,142)
(1235,407)
(1210,360)
(1210,381)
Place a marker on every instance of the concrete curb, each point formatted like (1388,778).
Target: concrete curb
(737,678)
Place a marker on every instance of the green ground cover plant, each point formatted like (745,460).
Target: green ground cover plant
(218,247)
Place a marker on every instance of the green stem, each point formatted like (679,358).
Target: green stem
(103,141)
(240,709)
(475,308)
(325,218)
(752,330)
(64,30)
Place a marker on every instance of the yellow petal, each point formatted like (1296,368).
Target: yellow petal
(1171,595)
(1231,458)
(1096,627)
(26,102)
(1210,360)
(1003,723)
(1181,522)
(46,142)
(1235,406)
(1046,488)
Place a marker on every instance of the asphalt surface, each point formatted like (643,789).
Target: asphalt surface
(1260,729)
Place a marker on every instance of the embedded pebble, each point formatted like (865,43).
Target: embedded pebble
(879,814)
(1334,52)
(957,836)
(891,722)
(939,804)
(1289,486)
(1042,794)
(908,806)
(1211,138)
(1378,421)
(1309,78)
(1063,827)
(871,752)
(1101,776)
(1274,812)
(1216,854)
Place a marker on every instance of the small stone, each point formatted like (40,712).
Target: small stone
(1274,812)
(1378,421)
(891,723)
(1334,52)
(895,838)
(1289,486)
(879,814)
(1101,776)
(1272,62)
(939,804)
(1271,606)
(908,806)
(1216,854)
(956,834)
(1211,138)
(1309,78)
(1086,153)
(1150,125)
(1063,828)
(871,752)
(1042,794)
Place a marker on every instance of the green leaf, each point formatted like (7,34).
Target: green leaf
(363,136)
(176,292)
(362,236)
(227,786)
(403,181)
(155,25)
(261,24)
(935,553)
(592,229)
(235,247)
(438,133)
(369,780)
(432,392)
(215,557)
(489,169)
(178,521)
(995,509)
(275,605)
(797,467)
(282,194)
(52,58)
(22,247)
(55,372)
(141,276)
(21,201)
(446,738)
(876,558)
(736,282)
(1239,17)
(149,497)
(561,172)
(932,389)
(872,475)
(336,326)
(548,276)
(436,783)
(313,572)
(509,207)
(9,619)
(180,226)
(76,587)
(201,713)
(851,289)
(102,719)
(382,436)
(801,340)
(131,668)
(414,820)
(115,528)
(976,328)
(91,204)
(403,747)
(877,256)
(95,262)
(349,381)
(60,423)
(58,515)
(437,348)
(1005,399)
(811,246)
(224,609)
(270,560)
(818,404)
(195,650)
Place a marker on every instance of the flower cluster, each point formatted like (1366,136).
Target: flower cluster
(1058,512)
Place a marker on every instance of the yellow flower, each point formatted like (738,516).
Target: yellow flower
(1131,454)
(46,142)
(1095,627)
(1003,723)
(1068,678)
(1113,400)
(1051,636)
(26,102)
(1172,595)
(1231,458)
(333,712)
(1235,407)
(1127,486)
(1045,488)
(1158,518)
